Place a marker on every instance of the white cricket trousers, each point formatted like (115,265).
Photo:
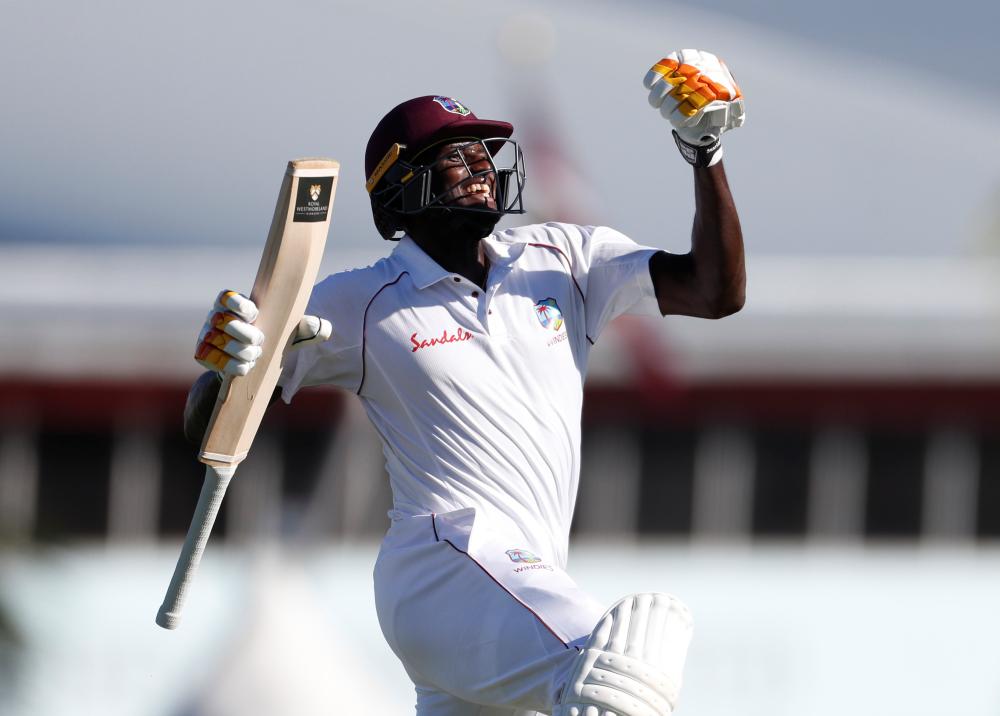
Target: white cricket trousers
(483,625)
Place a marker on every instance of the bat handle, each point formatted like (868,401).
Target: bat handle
(212,492)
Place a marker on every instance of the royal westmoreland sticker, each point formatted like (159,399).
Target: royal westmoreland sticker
(312,200)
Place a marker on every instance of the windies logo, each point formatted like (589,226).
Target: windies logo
(453,105)
(314,191)
(549,314)
(523,556)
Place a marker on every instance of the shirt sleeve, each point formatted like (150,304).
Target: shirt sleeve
(613,273)
(336,361)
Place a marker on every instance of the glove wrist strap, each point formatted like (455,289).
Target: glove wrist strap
(705,155)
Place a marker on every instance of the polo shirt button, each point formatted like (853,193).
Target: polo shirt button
(490,312)
(475,294)
(457,279)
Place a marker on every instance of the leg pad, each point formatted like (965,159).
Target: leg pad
(633,662)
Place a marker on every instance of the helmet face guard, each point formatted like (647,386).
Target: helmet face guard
(400,188)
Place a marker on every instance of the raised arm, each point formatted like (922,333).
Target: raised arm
(696,93)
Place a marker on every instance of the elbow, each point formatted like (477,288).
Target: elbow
(723,310)
(728,303)
(731,308)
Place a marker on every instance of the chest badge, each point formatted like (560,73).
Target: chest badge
(549,314)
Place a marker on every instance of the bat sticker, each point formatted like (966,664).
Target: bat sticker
(312,201)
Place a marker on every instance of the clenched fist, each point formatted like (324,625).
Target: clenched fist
(696,93)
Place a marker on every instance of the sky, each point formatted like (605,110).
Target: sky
(169,125)
(942,40)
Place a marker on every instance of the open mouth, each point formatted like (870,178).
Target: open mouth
(478,192)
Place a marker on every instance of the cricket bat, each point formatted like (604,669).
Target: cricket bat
(281,290)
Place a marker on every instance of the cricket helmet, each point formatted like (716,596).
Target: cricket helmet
(398,164)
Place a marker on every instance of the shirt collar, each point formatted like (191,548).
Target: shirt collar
(500,252)
(425,271)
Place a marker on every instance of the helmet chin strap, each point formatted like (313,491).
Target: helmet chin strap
(453,223)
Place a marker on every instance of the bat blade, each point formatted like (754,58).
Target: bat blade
(281,290)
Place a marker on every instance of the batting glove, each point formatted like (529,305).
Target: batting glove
(230,345)
(697,94)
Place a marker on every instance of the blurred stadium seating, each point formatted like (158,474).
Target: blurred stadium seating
(810,414)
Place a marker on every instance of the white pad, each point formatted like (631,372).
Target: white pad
(633,662)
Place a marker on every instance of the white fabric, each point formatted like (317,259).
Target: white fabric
(711,120)
(476,393)
(633,663)
(474,625)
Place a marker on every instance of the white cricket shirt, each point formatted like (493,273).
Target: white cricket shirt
(477,393)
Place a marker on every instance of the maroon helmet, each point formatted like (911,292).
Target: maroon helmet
(399,184)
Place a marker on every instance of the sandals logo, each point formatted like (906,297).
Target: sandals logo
(459,335)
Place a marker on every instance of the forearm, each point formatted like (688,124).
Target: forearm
(199,406)
(709,281)
(717,243)
(201,403)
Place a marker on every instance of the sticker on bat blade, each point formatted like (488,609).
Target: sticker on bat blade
(312,201)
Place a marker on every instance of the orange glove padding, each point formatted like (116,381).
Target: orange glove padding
(696,93)
(230,345)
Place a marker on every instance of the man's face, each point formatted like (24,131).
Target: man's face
(454,171)
(454,182)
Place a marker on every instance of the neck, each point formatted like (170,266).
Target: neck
(455,241)
(462,256)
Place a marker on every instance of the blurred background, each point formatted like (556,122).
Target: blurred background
(817,476)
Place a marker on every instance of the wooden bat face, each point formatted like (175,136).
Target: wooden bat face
(281,290)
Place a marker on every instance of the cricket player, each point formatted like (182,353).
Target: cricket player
(468,348)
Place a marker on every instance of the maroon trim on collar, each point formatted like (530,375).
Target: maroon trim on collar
(487,573)
(364,325)
(569,264)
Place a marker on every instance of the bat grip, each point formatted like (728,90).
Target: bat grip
(212,491)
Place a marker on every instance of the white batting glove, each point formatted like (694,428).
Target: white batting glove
(230,345)
(311,329)
(696,93)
